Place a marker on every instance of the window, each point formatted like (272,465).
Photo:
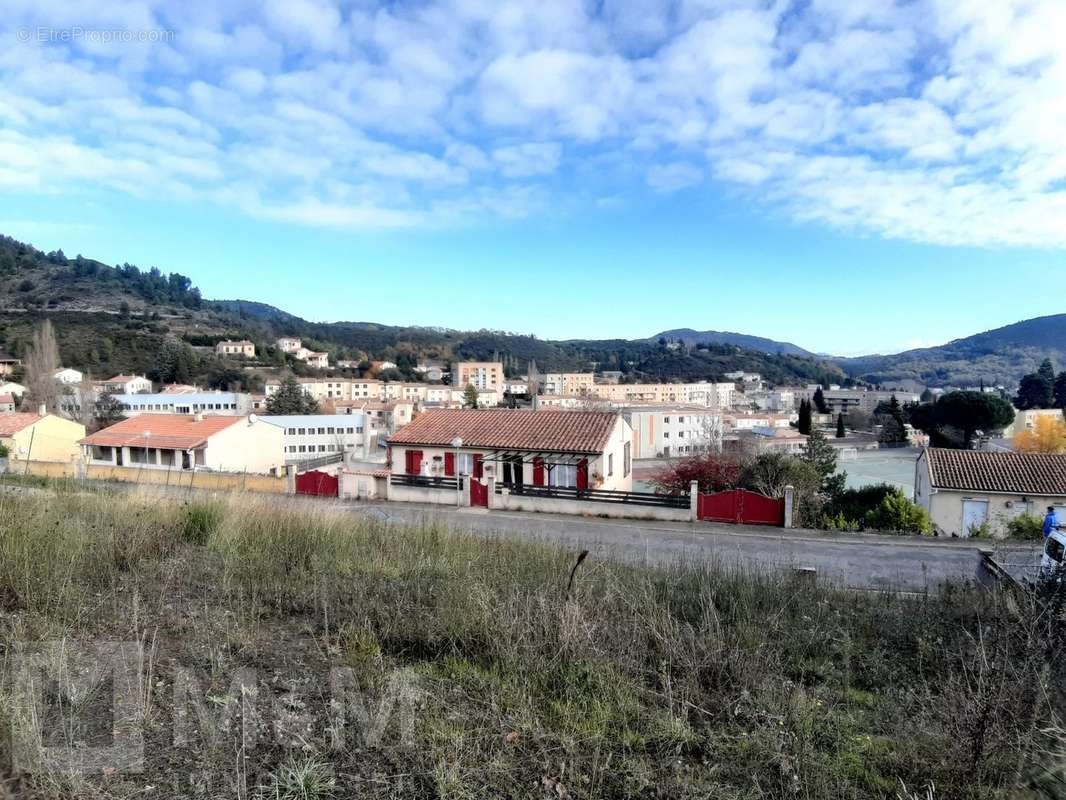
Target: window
(350,430)
(626,460)
(666,420)
(610,464)
(681,420)
(330,430)
(321,431)
(303,431)
(666,434)
(563,475)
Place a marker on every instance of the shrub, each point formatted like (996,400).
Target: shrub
(855,504)
(4,452)
(1026,526)
(201,520)
(897,513)
(713,472)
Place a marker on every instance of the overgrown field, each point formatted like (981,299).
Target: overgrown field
(471,671)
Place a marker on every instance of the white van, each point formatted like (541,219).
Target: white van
(1053,562)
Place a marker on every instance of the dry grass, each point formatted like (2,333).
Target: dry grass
(693,681)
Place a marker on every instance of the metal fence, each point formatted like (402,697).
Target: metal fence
(304,464)
(596,495)
(426,482)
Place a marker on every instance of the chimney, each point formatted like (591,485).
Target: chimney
(198,417)
(42,410)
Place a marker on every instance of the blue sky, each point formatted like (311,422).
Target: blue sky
(850,175)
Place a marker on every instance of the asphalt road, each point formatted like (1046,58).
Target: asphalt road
(867,562)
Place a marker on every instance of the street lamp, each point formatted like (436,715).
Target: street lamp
(457,442)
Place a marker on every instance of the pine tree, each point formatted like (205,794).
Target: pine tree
(290,398)
(470,396)
(823,457)
(1060,390)
(804,424)
(840,426)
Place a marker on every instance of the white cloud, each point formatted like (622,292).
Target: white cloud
(667,178)
(928,120)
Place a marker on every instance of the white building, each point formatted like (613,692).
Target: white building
(125,384)
(314,435)
(669,431)
(233,404)
(288,344)
(68,375)
(188,443)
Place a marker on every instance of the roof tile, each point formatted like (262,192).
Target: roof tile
(11,422)
(545,430)
(173,431)
(987,471)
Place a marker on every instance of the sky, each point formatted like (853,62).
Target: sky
(853,176)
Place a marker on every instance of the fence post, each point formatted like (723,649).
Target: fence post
(490,487)
(290,479)
(693,501)
(789,495)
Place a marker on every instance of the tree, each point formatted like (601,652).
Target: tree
(1047,436)
(290,398)
(1060,390)
(893,424)
(176,362)
(841,433)
(713,472)
(804,424)
(954,419)
(107,411)
(470,396)
(42,361)
(819,401)
(770,473)
(823,457)
(1037,389)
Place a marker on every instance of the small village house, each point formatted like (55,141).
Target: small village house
(8,402)
(40,437)
(188,442)
(288,344)
(16,390)
(580,449)
(124,384)
(68,376)
(969,490)
(241,347)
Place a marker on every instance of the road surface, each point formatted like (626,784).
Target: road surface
(855,561)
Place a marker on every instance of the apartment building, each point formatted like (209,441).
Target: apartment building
(841,401)
(314,435)
(242,348)
(482,374)
(669,431)
(568,383)
(717,395)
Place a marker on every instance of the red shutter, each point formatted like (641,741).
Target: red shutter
(538,471)
(477,465)
(583,474)
(449,463)
(414,462)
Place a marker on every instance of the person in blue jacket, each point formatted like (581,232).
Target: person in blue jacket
(1051,521)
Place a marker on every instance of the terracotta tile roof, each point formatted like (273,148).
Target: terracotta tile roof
(984,471)
(176,431)
(123,379)
(516,429)
(11,422)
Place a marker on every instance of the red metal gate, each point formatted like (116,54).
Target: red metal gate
(479,493)
(741,507)
(317,483)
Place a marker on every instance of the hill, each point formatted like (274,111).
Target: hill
(693,338)
(998,356)
(115,319)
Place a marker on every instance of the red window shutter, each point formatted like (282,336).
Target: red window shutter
(538,471)
(583,474)
(478,472)
(449,463)
(414,462)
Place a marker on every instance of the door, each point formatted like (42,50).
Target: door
(479,493)
(583,474)
(974,515)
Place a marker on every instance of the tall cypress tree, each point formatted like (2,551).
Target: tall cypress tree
(804,424)
(840,426)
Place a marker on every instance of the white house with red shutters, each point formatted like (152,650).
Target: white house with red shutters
(578,449)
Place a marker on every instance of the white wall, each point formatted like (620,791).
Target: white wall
(246,446)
